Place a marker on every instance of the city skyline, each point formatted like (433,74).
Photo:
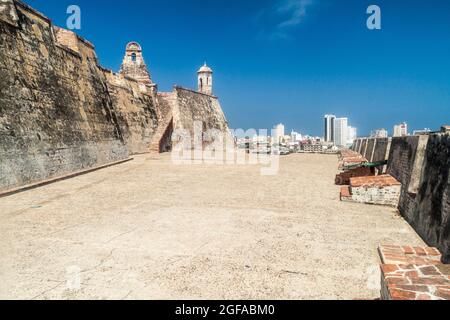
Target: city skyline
(271,65)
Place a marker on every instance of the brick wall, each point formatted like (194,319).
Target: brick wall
(421,164)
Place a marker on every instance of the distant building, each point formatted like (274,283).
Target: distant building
(278,133)
(313,148)
(329,128)
(352,135)
(401,130)
(421,132)
(341,132)
(296,137)
(445,129)
(380,133)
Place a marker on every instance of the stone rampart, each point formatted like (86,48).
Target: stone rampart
(421,164)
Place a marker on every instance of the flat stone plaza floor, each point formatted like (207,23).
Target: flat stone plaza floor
(150,229)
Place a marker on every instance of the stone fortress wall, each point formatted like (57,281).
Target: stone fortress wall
(421,164)
(61,112)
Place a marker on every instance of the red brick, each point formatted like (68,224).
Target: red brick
(432,252)
(402,295)
(420,251)
(435,281)
(444,269)
(412,274)
(377,181)
(388,268)
(415,288)
(423,297)
(345,192)
(443,293)
(394,281)
(408,250)
(429,271)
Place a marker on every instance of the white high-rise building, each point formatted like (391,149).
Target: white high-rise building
(296,137)
(278,133)
(401,130)
(341,132)
(352,135)
(329,128)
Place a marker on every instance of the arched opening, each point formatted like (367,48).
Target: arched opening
(201,84)
(133,57)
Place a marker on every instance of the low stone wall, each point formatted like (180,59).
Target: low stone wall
(421,164)
(379,190)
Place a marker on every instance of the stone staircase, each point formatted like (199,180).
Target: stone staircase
(166,101)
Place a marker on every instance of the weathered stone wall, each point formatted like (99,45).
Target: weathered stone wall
(60,112)
(137,111)
(56,116)
(363,147)
(370,149)
(431,215)
(422,164)
(8,12)
(194,108)
(381,153)
(382,149)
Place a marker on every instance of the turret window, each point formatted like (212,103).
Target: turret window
(133,57)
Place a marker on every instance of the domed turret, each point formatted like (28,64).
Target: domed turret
(205,80)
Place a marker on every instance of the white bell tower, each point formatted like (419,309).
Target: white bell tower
(205,80)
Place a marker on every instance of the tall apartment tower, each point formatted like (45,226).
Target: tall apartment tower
(329,128)
(205,80)
(341,132)
(401,130)
(133,64)
(278,133)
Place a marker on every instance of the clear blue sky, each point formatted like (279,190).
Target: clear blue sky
(289,61)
